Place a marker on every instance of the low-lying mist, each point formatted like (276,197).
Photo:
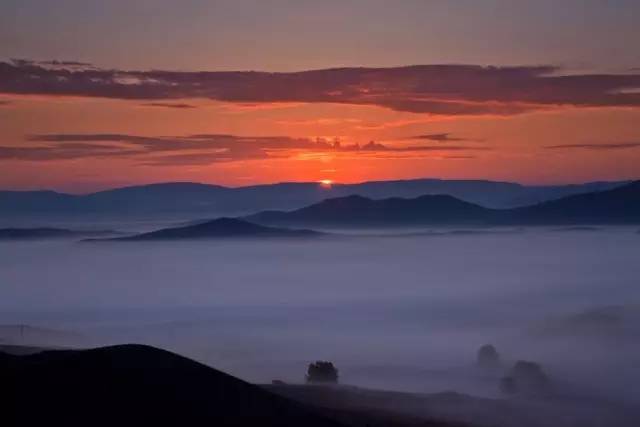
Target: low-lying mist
(401,313)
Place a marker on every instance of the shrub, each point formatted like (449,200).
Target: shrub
(322,372)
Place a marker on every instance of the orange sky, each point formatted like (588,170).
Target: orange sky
(118,93)
(498,148)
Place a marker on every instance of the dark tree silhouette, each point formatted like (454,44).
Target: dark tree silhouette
(322,372)
(488,357)
(527,378)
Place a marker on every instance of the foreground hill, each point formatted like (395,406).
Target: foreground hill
(136,385)
(617,206)
(559,411)
(203,200)
(140,385)
(219,228)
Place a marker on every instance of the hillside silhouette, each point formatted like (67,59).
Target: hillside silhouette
(134,384)
(617,206)
(218,228)
(142,385)
(362,211)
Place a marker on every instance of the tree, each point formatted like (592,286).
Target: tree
(322,372)
(488,357)
(526,378)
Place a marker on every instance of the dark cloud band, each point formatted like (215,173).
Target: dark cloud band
(595,147)
(434,89)
(199,149)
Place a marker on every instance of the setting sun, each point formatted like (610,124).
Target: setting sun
(326,182)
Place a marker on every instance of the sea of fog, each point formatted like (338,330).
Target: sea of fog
(402,313)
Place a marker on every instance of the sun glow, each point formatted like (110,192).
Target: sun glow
(326,183)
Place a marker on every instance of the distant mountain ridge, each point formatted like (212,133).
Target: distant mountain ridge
(616,206)
(620,205)
(362,211)
(201,200)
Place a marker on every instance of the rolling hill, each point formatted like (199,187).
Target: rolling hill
(137,385)
(616,206)
(357,211)
(221,228)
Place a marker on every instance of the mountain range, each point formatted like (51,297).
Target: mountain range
(358,211)
(620,205)
(192,200)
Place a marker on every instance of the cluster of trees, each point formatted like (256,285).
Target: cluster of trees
(523,378)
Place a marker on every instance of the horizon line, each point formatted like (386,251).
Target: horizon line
(317,182)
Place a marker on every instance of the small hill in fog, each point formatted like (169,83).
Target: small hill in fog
(47,233)
(219,228)
(615,323)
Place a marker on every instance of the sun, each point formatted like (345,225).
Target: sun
(326,183)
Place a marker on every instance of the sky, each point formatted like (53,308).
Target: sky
(97,94)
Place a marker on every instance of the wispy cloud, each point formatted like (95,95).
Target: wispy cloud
(318,122)
(434,89)
(595,147)
(443,137)
(459,157)
(200,149)
(178,106)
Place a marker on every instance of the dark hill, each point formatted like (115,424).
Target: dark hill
(136,385)
(220,228)
(618,206)
(561,411)
(361,211)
